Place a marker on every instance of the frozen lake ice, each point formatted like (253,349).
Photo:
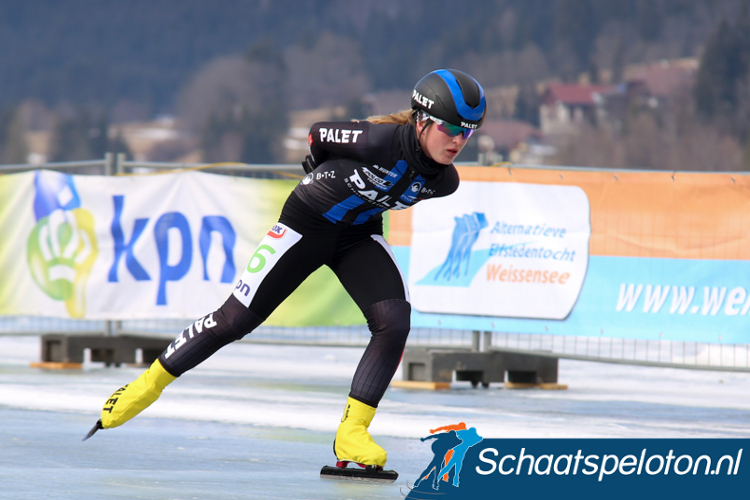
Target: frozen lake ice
(257,421)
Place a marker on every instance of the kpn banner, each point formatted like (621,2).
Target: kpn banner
(468,465)
(153,246)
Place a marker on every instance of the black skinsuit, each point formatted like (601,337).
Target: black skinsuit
(333,218)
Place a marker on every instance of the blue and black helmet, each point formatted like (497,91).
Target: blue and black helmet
(452,96)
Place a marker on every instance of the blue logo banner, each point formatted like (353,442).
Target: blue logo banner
(467,466)
(631,298)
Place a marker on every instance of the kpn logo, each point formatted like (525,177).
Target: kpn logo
(62,247)
(443,474)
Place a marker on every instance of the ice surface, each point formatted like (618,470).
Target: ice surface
(257,421)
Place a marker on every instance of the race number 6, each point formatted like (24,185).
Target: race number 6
(261,259)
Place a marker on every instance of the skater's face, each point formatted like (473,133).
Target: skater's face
(438,143)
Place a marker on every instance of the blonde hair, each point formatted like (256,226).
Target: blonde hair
(399,118)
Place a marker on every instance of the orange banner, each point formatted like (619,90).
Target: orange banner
(640,214)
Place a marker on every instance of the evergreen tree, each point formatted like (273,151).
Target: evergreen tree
(263,126)
(618,62)
(69,140)
(650,20)
(724,69)
(527,105)
(81,137)
(117,144)
(249,124)
(576,28)
(16,148)
(357,109)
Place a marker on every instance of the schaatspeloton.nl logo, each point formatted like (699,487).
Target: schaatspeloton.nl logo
(466,465)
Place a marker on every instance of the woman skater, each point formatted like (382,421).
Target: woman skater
(355,171)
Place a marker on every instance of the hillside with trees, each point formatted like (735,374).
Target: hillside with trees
(232,72)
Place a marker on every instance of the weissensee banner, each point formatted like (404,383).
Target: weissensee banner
(501,249)
(582,252)
(157,246)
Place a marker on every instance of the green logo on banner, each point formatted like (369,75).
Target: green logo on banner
(62,247)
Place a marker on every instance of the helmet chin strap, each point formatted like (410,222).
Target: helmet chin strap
(421,116)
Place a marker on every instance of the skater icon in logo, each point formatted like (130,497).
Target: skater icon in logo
(443,450)
(465,234)
(450,450)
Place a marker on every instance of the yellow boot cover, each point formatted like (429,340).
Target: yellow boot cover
(128,401)
(353,442)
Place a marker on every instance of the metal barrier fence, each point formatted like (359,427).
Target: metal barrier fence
(661,353)
(658,353)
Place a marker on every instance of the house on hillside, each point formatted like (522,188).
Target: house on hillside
(665,79)
(514,141)
(565,106)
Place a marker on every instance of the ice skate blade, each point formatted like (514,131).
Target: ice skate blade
(367,475)
(96,427)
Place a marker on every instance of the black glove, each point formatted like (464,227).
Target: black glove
(308,164)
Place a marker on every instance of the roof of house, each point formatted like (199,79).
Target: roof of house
(664,78)
(572,93)
(507,134)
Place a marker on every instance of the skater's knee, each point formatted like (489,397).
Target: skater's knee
(201,339)
(236,320)
(390,319)
(229,323)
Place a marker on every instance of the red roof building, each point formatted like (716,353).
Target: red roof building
(572,94)
(565,106)
(513,140)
